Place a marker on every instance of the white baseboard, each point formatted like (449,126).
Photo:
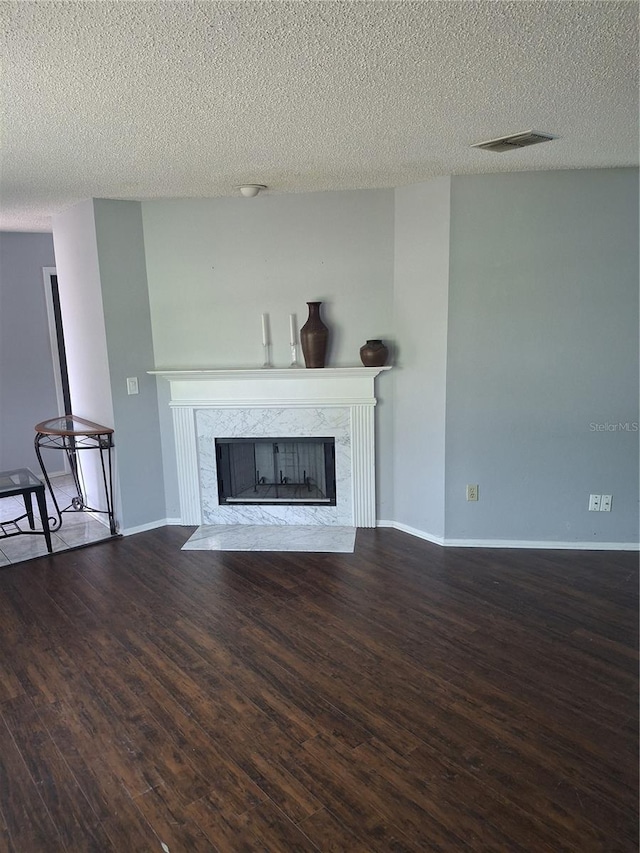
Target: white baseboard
(412,531)
(152,525)
(102,517)
(546,544)
(446,543)
(511,543)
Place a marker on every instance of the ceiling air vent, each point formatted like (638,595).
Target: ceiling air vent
(516,140)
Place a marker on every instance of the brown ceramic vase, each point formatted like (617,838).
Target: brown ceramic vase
(374,354)
(314,336)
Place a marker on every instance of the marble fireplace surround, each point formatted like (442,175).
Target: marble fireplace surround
(335,402)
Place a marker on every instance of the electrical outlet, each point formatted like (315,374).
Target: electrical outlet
(594,503)
(132,385)
(472,492)
(605,503)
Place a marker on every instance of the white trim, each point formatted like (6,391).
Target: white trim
(284,388)
(184,425)
(436,540)
(520,544)
(412,531)
(100,517)
(543,545)
(283,402)
(363,465)
(234,374)
(152,525)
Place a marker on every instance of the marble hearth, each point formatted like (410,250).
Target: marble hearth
(334,402)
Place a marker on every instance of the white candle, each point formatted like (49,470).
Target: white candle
(265,336)
(292,329)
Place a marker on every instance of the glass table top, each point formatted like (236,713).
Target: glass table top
(71,425)
(20,478)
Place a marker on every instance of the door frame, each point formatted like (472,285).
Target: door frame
(47,273)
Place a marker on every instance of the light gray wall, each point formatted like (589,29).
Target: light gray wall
(74,237)
(543,347)
(215,265)
(421,287)
(125,300)
(510,303)
(27,387)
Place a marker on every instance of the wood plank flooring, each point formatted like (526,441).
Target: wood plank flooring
(402,698)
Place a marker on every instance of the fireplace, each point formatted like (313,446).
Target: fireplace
(285,471)
(259,424)
(214,408)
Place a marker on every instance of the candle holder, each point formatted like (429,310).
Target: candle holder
(294,356)
(267,355)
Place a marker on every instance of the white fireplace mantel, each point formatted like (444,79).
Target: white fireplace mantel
(339,398)
(338,386)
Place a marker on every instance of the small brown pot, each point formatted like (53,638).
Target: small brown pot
(374,354)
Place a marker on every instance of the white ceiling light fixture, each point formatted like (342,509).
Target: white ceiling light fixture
(251,190)
(515,140)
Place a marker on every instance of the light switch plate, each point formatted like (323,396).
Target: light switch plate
(132,385)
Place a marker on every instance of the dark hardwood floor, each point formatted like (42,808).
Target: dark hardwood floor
(403,698)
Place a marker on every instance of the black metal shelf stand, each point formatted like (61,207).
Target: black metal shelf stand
(73,435)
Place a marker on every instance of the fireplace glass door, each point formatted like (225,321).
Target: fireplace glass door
(276,471)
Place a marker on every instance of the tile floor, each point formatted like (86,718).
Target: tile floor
(78,528)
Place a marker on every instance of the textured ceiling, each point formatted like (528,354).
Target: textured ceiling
(180,99)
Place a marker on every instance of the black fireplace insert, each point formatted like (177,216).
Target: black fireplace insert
(276,471)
